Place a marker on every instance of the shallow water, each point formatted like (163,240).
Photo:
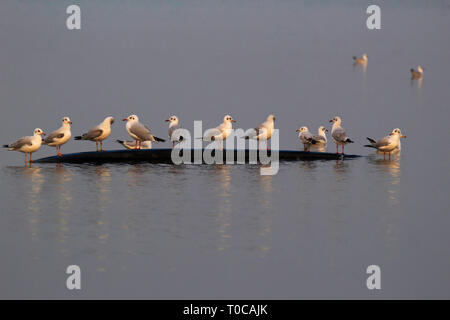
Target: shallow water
(225,231)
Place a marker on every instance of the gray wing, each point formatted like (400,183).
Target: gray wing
(339,134)
(92,134)
(383,142)
(52,136)
(142,132)
(318,138)
(21,142)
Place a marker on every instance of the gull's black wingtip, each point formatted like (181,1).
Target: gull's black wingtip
(5,146)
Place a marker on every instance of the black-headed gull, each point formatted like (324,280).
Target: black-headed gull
(60,136)
(133,144)
(360,61)
(264,131)
(139,132)
(321,136)
(388,143)
(174,135)
(305,137)
(28,144)
(221,132)
(98,133)
(338,134)
(417,74)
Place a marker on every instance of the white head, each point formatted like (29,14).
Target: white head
(66,120)
(302,129)
(322,131)
(420,69)
(364,56)
(172,120)
(131,118)
(336,121)
(109,119)
(39,132)
(270,117)
(397,132)
(228,119)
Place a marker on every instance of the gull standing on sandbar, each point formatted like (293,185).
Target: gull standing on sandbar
(305,137)
(60,136)
(174,135)
(98,133)
(321,136)
(338,134)
(388,143)
(262,132)
(28,144)
(139,132)
(221,132)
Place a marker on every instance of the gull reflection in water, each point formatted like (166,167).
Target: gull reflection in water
(224,204)
(36,182)
(392,170)
(102,178)
(63,177)
(265,226)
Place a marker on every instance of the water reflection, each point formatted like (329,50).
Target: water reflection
(224,204)
(62,179)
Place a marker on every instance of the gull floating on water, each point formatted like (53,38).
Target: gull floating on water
(263,132)
(60,136)
(28,144)
(174,135)
(220,132)
(305,137)
(417,74)
(360,61)
(338,134)
(133,144)
(321,136)
(139,132)
(388,143)
(98,133)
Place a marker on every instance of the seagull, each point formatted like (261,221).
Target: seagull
(98,133)
(60,136)
(321,136)
(388,143)
(305,137)
(360,61)
(264,131)
(338,134)
(132,144)
(28,144)
(139,132)
(417,74)
(221,132)
(174,136)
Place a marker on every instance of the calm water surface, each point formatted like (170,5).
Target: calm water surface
(166,231)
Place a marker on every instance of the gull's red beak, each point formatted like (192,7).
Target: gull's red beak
(232,120)
(70,122)
(167,120)
(331,120)
(43,133)
(298,130)
(403,136)
(326,130)
(126,119)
